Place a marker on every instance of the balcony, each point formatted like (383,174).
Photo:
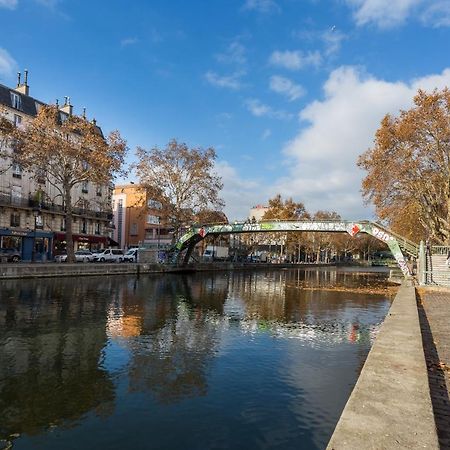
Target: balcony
(28,203)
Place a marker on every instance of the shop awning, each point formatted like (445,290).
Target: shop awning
(89,238)
(112,243)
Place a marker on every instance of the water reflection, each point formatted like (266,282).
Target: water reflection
(182,352)
(50,353)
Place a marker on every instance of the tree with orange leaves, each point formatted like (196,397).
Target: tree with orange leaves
(408,169)
(69,150)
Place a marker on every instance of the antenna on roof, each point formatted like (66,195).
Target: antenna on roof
(84,113)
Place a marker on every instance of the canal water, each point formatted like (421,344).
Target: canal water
(239,360)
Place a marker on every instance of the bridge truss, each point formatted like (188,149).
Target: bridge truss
(398,245)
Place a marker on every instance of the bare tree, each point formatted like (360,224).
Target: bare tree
(182,179)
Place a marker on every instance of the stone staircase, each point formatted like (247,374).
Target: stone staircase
(439,272)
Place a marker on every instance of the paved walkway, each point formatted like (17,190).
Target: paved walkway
(434,316)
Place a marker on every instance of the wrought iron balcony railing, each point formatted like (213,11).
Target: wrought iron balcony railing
(28,203)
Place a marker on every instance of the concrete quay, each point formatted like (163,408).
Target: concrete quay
(390,406)
(434,314)
(50,270)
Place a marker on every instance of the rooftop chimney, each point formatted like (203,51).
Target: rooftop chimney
(23,88)
(67,107)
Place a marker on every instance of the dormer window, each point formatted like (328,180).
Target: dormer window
(84,187)
(16,100)
(17,120)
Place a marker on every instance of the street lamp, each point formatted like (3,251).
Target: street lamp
(36,212)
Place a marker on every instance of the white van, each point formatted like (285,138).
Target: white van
(109,255)
(131,255)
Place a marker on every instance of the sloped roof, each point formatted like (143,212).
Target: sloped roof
(29,105)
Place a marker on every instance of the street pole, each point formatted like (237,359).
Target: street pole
(33,250)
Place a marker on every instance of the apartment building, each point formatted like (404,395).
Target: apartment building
(257,212)
(32,217)
(138,220)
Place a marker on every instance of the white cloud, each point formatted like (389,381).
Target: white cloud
(232,81)
(332,40)
(259,109)
(286,87)
(266,134)
(322,157)
(8,4)
(128,41)
(234,54)
(437,14)
(295,60)
(261,6)
(7,63)
(239,193)
(383,13)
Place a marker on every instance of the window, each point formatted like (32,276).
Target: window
(63,224)
(17,170)
(134,229)
(153,219)
(15,219)
(40,176)
(17,120)
(84,187)
(99,191)
(154,204)
(16,195)
(16,100)
(39,221)
(97,228)
(85,165)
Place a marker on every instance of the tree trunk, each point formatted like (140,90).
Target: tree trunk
(69,222)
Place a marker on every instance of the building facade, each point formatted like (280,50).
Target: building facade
(138,221)
(257,212)
(32,217)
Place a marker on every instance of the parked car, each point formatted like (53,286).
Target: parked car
(131,255)
(109,255)
(80,256)
(10,254)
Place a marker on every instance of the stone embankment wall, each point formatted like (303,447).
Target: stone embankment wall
(390,406)
(38,270)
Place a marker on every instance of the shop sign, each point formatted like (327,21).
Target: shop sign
(18,233)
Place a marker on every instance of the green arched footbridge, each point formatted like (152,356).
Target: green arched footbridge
(398,245)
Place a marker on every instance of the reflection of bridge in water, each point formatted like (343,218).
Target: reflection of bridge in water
(398,245)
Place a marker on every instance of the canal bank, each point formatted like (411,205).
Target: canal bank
(390,406)
(56,270)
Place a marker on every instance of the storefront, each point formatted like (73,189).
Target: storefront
(33,245)
(80,241)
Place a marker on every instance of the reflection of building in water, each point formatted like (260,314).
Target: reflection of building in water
(50,354)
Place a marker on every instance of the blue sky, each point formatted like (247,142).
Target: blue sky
(289,92)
